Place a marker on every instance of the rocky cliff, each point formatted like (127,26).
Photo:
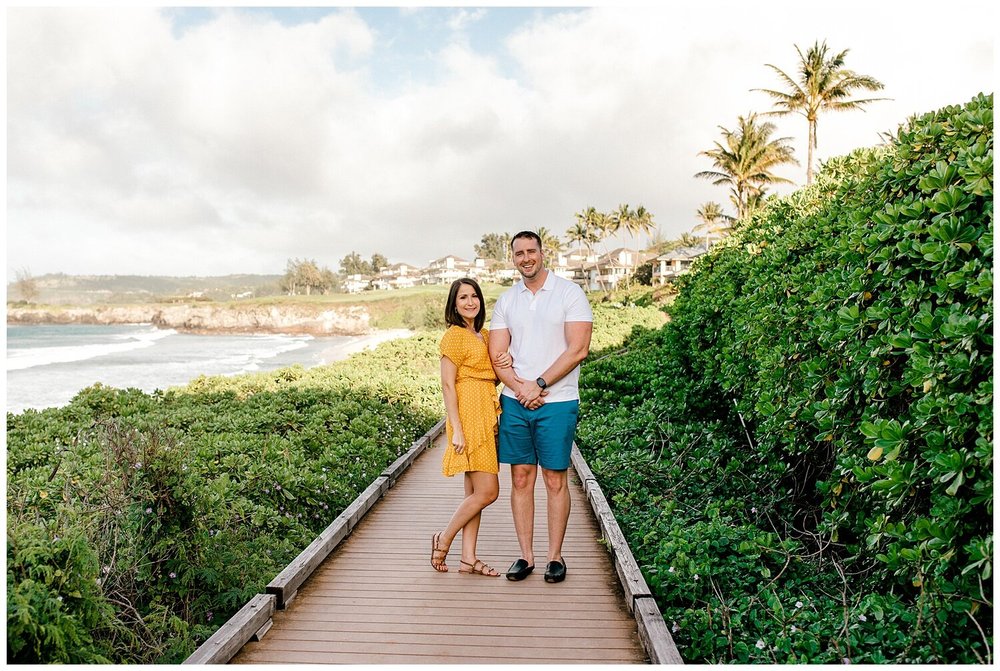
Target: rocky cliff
(300,319)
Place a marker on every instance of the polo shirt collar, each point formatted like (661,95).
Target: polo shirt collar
(550,280)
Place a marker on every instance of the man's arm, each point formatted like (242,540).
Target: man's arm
(578,346)
(499,343)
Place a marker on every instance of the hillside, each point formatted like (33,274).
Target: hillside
(62,289)
(334,314)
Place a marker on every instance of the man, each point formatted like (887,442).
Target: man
(546,323)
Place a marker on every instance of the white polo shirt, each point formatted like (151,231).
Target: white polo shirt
(537,330)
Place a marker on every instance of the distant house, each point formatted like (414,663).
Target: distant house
(355,284)
(677,262)
(397,276)
(561,265)
(606,271)
(446,270)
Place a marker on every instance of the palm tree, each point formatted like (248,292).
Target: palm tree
(620,220)
(713,220)
(745,159)
(550,241)
(823,84)
(588,230)
(643,223)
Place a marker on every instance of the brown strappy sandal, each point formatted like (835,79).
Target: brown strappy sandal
(438,554)
(479,568)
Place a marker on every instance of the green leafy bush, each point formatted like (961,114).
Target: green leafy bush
(814,426)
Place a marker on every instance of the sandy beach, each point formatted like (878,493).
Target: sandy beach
(357,344)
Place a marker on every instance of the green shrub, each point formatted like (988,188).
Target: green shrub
(815,424)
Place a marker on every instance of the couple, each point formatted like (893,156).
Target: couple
(540,332)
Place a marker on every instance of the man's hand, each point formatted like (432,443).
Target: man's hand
(529,394)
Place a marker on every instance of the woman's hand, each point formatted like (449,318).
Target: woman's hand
(503,360)
(458,440)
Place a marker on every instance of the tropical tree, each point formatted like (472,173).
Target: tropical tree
(745,160)
(642,224)
(353,264)
(713,221)
(619,220)
(305,275)
(550,241)
(588,231)
(495,246)
(378,262)
(823,84)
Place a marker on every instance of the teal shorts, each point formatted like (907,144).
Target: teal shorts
(543,436)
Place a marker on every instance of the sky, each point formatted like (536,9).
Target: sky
(211,141)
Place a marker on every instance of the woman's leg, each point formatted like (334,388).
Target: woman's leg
(481,489)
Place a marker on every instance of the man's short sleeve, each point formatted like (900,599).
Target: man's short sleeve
(577,306)
(499,318)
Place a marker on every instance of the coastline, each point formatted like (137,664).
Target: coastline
(352,320)
(360,344)
(145,357)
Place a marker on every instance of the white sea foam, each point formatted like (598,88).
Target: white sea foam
(268,348)
(45,356)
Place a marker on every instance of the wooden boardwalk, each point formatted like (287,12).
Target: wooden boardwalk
(376,599)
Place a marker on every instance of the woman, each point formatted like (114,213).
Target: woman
(468,385)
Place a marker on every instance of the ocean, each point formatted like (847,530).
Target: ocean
(48,364)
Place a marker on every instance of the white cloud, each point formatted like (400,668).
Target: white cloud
(239,142)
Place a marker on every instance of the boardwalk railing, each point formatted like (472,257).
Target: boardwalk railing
(253,621)
(657,641)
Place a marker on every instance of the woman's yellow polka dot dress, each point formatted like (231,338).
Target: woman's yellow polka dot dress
(478,404)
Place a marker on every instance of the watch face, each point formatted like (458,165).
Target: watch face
(541,383)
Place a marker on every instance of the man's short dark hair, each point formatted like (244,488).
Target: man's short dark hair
(526,234)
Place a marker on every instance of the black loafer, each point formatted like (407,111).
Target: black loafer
(555,571)
(519,570)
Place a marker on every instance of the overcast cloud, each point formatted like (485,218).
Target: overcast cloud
(172,142)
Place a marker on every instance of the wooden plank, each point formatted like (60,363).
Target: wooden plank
(657,641)
(417,653)
(511,626)
(481,638)
(231,636)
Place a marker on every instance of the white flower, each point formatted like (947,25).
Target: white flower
(794,629)
(674,628)
(798,604)
(671,570)
(760,644)
(754,510)
(862,618)
(696,576)
(845,660)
